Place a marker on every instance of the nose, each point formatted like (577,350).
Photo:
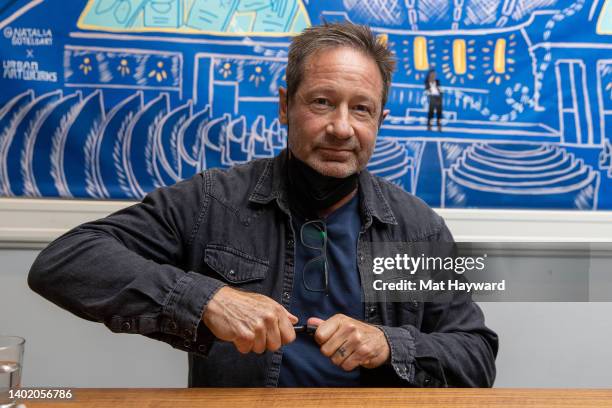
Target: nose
(340,124)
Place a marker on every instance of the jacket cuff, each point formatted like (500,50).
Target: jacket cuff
(403,350)
(182,314)
(402,343)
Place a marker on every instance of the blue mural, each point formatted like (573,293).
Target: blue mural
(109,99)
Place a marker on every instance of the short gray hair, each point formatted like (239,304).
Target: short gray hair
(336,35)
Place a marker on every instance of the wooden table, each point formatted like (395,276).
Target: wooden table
(325,397)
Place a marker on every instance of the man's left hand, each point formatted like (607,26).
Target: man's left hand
(350,343)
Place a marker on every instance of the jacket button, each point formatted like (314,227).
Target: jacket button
(187,344)
(290,243)
(232,272)
(427,380)
(125,326)
(172,326)
(202,348)
(188,333)
(286,295)
(372,309)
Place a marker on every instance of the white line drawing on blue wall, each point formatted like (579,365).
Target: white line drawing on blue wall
(604,97)
(102,67)
(48,122)
(160,94)
(18,13)
(229,17)
(520,174)
(572,88)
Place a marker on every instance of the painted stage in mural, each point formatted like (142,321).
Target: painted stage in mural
(109,99)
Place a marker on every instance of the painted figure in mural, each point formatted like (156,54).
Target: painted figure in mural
(434,98)
(226,264)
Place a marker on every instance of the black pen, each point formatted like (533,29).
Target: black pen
(303,328)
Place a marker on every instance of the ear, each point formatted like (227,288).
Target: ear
(282,105)
(383,116)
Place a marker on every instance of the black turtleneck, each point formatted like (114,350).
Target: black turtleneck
(311,191)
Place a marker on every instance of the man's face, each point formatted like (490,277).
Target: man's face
(333,117)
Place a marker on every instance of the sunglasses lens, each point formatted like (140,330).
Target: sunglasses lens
(314,275)
(313,235)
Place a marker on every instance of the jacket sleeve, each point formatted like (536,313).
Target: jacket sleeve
(125,270)
(452,348)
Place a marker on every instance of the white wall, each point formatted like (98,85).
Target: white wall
(552,344)
(541,344)
(64,350)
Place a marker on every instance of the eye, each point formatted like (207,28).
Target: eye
(321,101)
(363,109)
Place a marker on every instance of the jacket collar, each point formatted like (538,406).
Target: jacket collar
(272,185)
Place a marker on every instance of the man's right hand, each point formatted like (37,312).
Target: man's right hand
(251,321)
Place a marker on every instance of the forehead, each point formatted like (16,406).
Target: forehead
(342,67)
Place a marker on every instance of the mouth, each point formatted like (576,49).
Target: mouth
(334,149)
(335,154)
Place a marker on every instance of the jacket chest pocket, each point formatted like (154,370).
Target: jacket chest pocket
(236,267)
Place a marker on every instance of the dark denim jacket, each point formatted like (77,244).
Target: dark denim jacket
(152,268)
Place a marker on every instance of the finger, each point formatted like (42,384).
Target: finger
(346,350)
(287,332)
(259,343)
(346,332)
(243,346)
(361,356)
(293,319)
(342,353)
(331,346)
(326,329)
(377,358)
(374,361)
(244,342)
(273,336)
(351,362)
(314,321)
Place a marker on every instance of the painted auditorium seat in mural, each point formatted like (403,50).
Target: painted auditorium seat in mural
(109,99)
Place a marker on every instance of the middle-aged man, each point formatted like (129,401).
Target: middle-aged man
(223,265)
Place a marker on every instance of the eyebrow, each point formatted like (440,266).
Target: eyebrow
(324,89)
